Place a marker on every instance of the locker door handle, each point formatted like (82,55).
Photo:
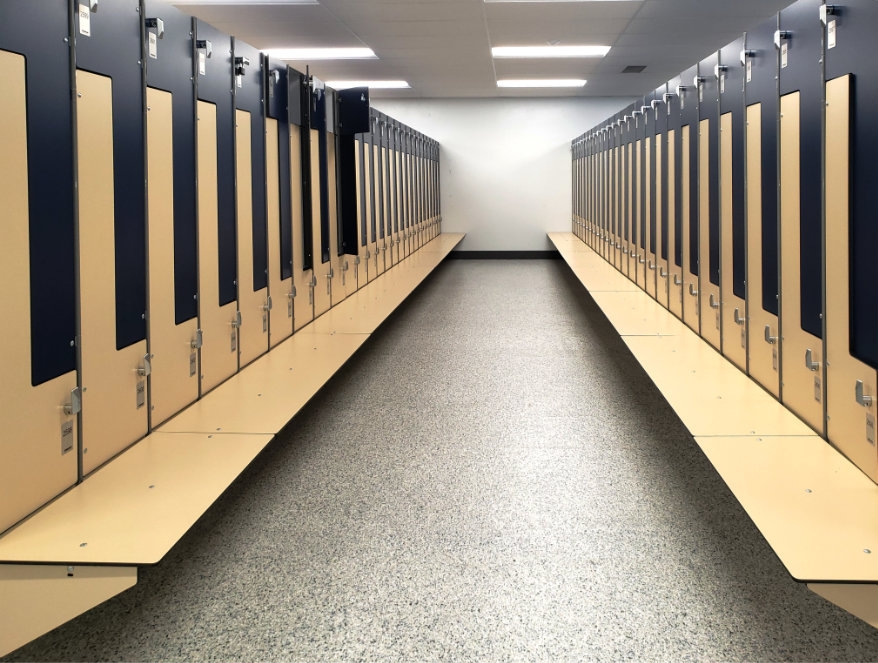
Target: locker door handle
(712,301)
(862,398)
(810,364)
(663,273)
(618,246)
(738,319)
(651,265)
(631,254)
(677,280)
(267,306)
(692,290)
(236,322)
(641,260)
(146,369)
(771,340)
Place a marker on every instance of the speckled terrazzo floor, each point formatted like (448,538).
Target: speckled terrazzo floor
(491,478)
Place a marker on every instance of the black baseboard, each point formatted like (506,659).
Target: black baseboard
(504,255)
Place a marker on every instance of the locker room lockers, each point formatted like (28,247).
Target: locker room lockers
(766,184)
(170,250)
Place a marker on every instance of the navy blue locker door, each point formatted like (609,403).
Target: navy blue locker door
(763,268)
(801,242)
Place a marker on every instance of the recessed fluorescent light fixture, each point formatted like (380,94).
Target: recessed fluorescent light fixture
(375,85)
(583,51)
(244,2)
(322,53)
(543,82)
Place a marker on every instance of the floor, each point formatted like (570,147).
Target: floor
(492,477)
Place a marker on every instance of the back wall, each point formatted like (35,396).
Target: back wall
(506,165)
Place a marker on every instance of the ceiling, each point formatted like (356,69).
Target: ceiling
(443,47)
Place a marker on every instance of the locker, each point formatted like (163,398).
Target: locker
(631,222)
(361,264)
(368,205)
(393,243)
(353,117)
(614,241)
(801,259)
(379,192)
(322,145)
(254,302)
(298,109)
(761,93)
(336,264)
(172,304)
(730,77)
(648,175)
(708,201)
(689,196)
(638,175)
(112,232)
(606,200)
(38,452)
(278,208)
(376,264)
(674,199)
(660,193)
(215,159)
(851,91)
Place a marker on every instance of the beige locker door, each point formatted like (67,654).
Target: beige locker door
(378,177)
(114,393)
(38,450)
(850,424)
(396,190)
(691,311)
(709,293)
(322,282)
(762,354)
(280,323)
(615,239)
(358,267)
(253,332)
(675,273)
(607,215)
(303,302)
(366,269)
(632,216)
(639,236)
(219,349)
(649,272)
(661,288)
(734,311)
(372,209)
(801,387)
(342,282)
(173,382)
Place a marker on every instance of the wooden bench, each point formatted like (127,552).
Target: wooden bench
(816,509)
(84,547)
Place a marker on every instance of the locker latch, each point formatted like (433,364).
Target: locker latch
(651,265)
(826,11)
(156,24)
(771,340)
(204,45)
(641,260)
(237,320)
(712,301)
(267,306)
(692,290)
(810,364)
(146,369)
(198,340)
(738,319)
(75,404)
(663,273)
(677,280)
(292,294)
(780,36)
(862,398)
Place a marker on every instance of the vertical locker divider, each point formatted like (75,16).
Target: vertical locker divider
(674,197)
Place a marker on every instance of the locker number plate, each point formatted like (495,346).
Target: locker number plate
(870,428)
(66,437)
(141,394)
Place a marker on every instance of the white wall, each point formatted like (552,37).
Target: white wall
(506,169)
